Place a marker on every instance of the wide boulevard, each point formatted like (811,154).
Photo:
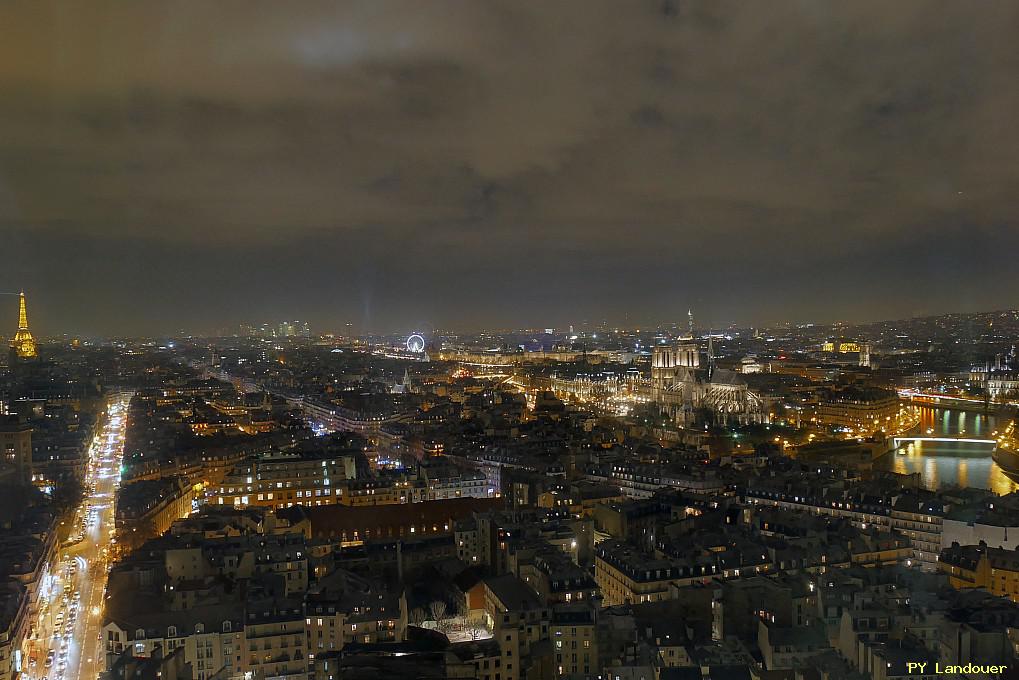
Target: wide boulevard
(64,643)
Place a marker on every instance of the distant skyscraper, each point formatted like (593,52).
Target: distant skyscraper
(290,329)
(23,343)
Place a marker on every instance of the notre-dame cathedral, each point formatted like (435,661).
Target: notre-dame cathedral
(681,387)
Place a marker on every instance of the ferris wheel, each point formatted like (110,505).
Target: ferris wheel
(415,343)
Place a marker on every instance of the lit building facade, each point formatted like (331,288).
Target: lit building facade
(14,615)
(680,387)
(626,576)
(858,409)
(283,480)
(16,449)
(979,566)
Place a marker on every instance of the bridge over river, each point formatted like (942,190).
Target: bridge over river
(959,438)
(951,447)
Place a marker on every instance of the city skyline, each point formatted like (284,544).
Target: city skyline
(508,340)
(296,328)
(387,165)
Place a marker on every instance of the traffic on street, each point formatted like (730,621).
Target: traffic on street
(64,643)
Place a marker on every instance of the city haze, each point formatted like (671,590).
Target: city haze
(396,165)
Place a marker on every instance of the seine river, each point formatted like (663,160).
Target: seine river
(952,463)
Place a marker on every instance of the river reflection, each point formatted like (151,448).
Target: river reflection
(952,463)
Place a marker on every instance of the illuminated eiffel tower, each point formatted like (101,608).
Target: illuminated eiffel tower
(23,343)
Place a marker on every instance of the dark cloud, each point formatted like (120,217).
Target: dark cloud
(461,164)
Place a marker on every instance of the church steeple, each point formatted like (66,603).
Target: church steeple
(23,343)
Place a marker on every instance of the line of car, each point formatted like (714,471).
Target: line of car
(64,621)
(70,600)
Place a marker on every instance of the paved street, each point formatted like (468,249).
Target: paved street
(65,641)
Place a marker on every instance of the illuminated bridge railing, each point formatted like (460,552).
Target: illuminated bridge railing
(964,440)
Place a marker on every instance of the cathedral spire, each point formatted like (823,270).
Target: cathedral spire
(711,354)
(23,343)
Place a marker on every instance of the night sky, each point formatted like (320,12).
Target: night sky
(401,165)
